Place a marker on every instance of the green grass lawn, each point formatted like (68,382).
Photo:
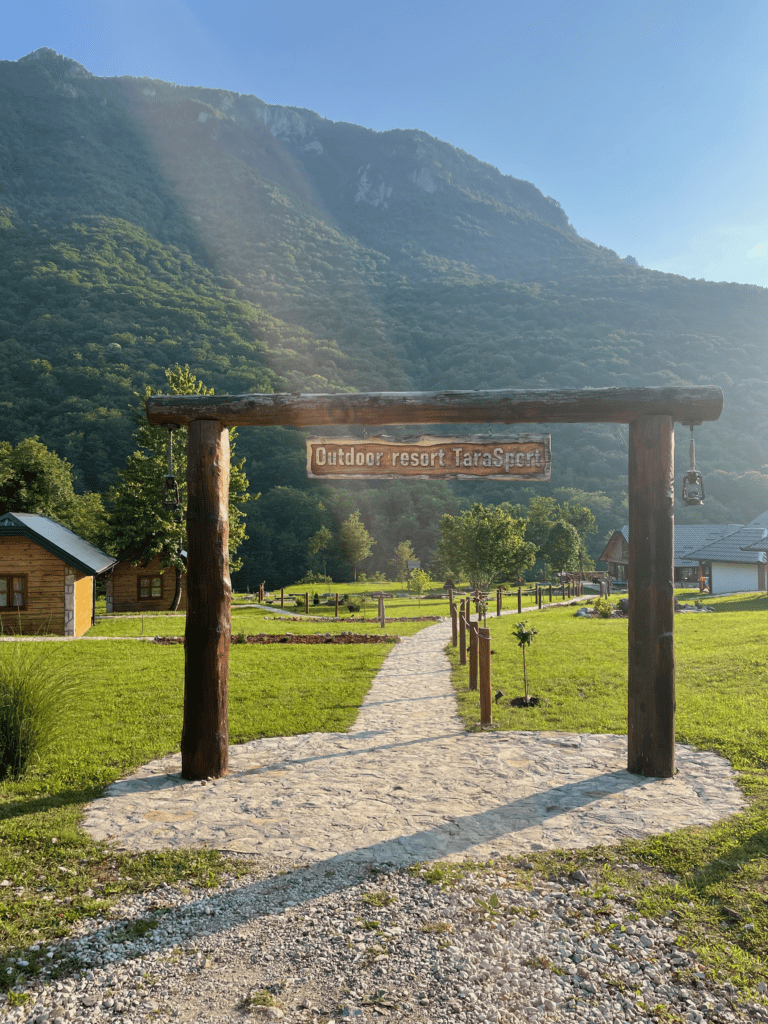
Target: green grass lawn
(129,711)
(578,668)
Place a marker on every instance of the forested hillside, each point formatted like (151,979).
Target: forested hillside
(144,224)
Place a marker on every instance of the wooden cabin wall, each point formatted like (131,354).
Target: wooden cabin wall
(125,587)
(83,603)
(45,583)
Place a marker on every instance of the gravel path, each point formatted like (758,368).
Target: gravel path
(331,924)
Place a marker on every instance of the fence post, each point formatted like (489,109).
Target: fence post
(382,613)
(454,625)
(337,606)
(484,672)
(282,597)
(539,596)
(608,586)
(498,602)
(306,602)
(564,592)
(473,628)
(519,600)
(550,593)
(462,635)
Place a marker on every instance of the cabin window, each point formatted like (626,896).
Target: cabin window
(13,592)
(150,588)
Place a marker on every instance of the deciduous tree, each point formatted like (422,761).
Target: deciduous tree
(486,544)
(355,541)
(35,479)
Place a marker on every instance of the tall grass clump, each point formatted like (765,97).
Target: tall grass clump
(35,699)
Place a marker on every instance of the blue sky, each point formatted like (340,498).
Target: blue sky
(646,121)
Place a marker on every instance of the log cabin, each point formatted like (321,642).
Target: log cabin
(146,587)
(47,576)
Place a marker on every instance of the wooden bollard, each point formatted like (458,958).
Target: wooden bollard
(462,636)
(550,593)
(473,628)
(539,596)
(337,606)
(484,675)
(454,625)
(306,602)
(519,600)
(382,613)
(282,597)
(498,602)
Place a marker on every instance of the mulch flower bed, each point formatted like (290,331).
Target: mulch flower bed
(293,638)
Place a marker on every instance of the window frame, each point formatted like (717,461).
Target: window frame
(150,578)
(9,578)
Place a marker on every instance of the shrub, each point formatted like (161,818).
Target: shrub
(603,607)
(34,701)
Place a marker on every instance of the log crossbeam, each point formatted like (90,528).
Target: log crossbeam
(598,405)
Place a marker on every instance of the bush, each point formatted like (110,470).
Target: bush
(34,701)
(603,607)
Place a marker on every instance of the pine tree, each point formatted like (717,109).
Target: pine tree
(139,524)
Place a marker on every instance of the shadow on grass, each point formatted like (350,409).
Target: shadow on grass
(37,804)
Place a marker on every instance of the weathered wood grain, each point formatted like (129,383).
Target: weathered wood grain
(586,405)
(651,675)
(205,734)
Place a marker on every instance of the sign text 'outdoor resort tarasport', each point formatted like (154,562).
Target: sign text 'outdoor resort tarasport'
(518,457)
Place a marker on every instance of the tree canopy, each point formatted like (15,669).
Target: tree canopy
(355,541)
(138,523)
(35,479)
(485,544)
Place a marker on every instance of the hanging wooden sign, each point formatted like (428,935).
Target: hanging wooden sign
(514,457)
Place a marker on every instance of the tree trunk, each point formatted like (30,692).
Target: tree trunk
(177,592)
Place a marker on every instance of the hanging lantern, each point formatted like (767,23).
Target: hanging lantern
(171,499)
(693,485)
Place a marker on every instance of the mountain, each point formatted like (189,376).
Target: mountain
(143,223)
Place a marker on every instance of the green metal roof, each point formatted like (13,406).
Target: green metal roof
(57,539)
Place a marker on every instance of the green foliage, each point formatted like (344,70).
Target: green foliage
(524,639)
(34,479)
(404,554)
(35,699)
(320,541)
(138,522)
(603,607)
(354,541)
(485,544)
(419,582)
(560,550)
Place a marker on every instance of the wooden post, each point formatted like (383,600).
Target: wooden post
(564,590)
(539,596)
(382,613)
(454,625)
(520,600)
(337,606)
(608,586)
(550,593)
(306,602)
(462,635)
(282,597)
(651,696)
(484,675)
(498,602)
(473,627)
(205,734)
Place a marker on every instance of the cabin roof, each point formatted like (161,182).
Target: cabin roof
(738,546)
(58,540)
(689,539)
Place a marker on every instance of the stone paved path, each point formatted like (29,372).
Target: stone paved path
(408,784)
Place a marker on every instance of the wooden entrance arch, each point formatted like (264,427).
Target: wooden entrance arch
(650,414)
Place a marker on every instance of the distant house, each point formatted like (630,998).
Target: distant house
(148,587)
(687,540)
(732,568)
(47,576)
